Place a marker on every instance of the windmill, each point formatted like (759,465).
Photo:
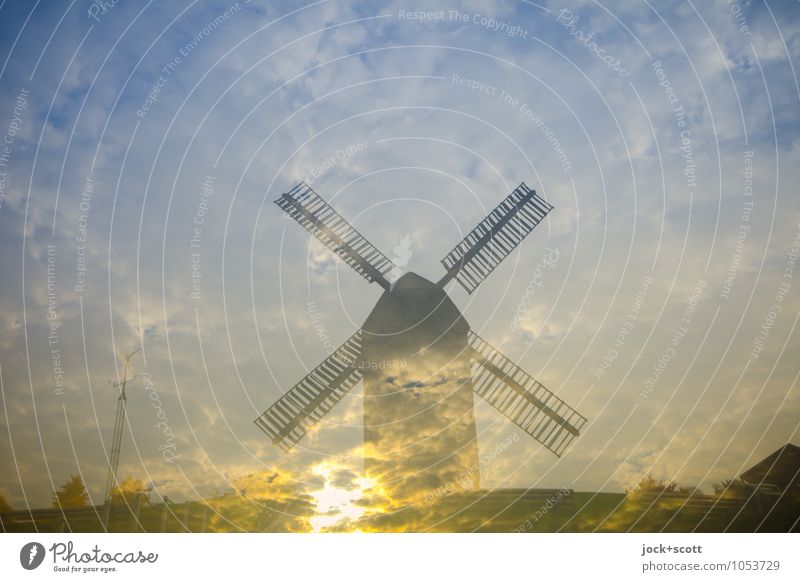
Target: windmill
(419,422)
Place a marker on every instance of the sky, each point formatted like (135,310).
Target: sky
(144,144)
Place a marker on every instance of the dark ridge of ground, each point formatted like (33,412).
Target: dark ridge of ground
(506,510)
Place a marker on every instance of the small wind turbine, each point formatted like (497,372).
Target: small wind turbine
(116,441)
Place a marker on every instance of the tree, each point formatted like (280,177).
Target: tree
(125,493)
(734,488)
(4,506)
(650,484)
(660,486)
(71,494)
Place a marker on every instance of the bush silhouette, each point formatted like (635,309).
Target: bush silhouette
(71,494)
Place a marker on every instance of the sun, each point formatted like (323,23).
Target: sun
(336,505)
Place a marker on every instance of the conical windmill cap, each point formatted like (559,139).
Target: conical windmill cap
(415,305)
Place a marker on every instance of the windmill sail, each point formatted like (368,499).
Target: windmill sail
(531,406)
(291,417)
(320,219)
(485,247)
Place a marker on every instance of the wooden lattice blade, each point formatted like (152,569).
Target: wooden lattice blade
(522,399)
(296,412)
(495,237)
(305,206)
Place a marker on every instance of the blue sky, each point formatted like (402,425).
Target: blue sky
(452,113)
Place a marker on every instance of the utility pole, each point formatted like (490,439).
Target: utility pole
(116,441)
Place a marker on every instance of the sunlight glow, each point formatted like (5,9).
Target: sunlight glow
(335,505)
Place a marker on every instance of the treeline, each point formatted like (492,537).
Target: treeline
(73,494)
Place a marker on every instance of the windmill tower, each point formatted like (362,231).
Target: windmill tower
(419,359)
(112,480)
